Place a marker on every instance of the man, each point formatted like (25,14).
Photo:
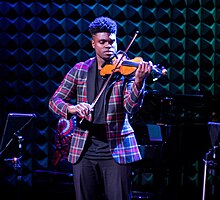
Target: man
(102,152)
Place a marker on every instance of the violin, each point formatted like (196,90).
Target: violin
(127,67)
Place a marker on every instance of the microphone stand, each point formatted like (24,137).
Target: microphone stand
(16,161)
(17,164)
(210,166)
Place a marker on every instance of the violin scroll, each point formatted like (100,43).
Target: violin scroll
(158,72)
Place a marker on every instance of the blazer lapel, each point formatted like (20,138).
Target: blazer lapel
(91,82)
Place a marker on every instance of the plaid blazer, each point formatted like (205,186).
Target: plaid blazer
(123,98)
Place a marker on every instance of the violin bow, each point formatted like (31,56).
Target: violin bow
(110,76)
(106,82)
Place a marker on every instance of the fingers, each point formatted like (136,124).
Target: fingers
(145,67)
(149,67)
(83,109)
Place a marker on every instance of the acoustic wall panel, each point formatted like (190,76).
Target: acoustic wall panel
(42,40)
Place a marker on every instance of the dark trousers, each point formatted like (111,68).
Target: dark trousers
(101,180)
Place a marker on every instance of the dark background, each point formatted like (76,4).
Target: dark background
(41,40)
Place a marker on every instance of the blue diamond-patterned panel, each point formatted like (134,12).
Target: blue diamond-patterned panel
(41,40)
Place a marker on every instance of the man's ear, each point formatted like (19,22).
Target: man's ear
(93,44)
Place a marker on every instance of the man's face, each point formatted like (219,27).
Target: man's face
(105,45)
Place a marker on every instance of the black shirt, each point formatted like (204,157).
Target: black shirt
(97,145)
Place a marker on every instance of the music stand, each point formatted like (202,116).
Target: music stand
(210,158)
(11,143)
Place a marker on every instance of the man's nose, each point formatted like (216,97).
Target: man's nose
(109,45)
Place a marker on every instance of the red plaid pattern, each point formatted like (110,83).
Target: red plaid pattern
(124,98)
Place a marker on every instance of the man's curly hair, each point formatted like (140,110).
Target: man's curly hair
(103,24)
